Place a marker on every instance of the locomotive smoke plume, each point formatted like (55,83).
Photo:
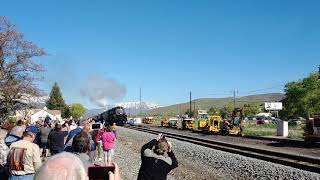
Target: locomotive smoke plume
(99,90)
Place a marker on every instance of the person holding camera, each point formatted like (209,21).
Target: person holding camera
(157,158)
(108,139)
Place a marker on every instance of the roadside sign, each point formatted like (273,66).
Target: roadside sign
(202,112)
(273,106)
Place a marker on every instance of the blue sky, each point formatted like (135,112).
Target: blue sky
(170,47)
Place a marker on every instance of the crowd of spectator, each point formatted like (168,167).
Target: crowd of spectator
(57,151)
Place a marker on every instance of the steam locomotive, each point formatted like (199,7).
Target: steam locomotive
(115,115)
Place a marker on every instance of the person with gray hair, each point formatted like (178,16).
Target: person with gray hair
(4,150)
(24,156)
(63,166)
(14,135)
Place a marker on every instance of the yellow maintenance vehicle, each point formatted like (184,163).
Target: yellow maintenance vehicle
(213,124)
(165,122)
(202,119)
(187,123)
(148,120)
(235,125)
(173,122)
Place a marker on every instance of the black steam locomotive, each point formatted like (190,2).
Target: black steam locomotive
(115,115)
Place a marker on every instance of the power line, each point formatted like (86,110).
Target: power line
(263,89)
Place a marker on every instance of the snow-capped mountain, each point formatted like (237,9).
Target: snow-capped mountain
(136,105)
(133,108)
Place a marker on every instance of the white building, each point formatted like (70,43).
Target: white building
(43,113)
(39,114)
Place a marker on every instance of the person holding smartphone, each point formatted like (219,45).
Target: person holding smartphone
(157,158)
(108,139)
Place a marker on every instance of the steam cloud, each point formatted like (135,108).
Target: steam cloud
(99,90)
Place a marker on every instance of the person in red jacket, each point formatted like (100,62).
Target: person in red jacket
(108,139)
(157,159)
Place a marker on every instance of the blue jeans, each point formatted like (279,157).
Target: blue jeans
(26,177)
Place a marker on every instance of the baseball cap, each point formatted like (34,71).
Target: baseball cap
(32,129)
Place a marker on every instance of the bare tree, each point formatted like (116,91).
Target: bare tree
(18,70)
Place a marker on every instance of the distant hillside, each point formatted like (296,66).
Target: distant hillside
(206,103)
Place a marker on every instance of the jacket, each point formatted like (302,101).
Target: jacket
(155,167)
(108,139)
(11,139)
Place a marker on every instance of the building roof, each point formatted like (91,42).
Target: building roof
(52,112)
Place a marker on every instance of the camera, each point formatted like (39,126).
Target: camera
(96,126)
(100,172)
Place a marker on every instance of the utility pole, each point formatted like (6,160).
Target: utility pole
(194,106)
(180,111)
(140,102)
(129,111)
(190,105)
(234,98)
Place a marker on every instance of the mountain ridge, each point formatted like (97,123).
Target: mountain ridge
(206,103)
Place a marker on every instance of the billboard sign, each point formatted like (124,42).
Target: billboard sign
(273,106)
(202,112)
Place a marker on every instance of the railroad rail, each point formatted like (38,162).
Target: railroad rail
(306,163)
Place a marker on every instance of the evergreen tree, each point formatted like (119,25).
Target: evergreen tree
(56,101)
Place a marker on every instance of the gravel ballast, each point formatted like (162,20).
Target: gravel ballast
(197,162)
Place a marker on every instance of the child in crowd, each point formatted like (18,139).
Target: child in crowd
(114,126)
(108,139)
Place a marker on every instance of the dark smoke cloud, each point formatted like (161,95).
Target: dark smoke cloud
(100,91)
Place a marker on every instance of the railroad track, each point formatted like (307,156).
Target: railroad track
(306,163)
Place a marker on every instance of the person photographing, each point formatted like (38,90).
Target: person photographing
(157,158)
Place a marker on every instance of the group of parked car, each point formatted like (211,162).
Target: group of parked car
(273,120)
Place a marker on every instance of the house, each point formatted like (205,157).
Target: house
(39,114)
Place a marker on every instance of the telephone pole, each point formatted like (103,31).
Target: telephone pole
(129,111)
(140,102)
(190,105)
(194,106)
(234,98)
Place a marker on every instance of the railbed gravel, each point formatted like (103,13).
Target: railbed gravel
(200,163)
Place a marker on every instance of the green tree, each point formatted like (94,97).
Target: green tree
(77,110)
(251,109)
(226,111)
(214,110)
(302,98)
(56,101)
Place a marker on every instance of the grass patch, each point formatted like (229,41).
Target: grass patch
(296,131)
(260,130)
